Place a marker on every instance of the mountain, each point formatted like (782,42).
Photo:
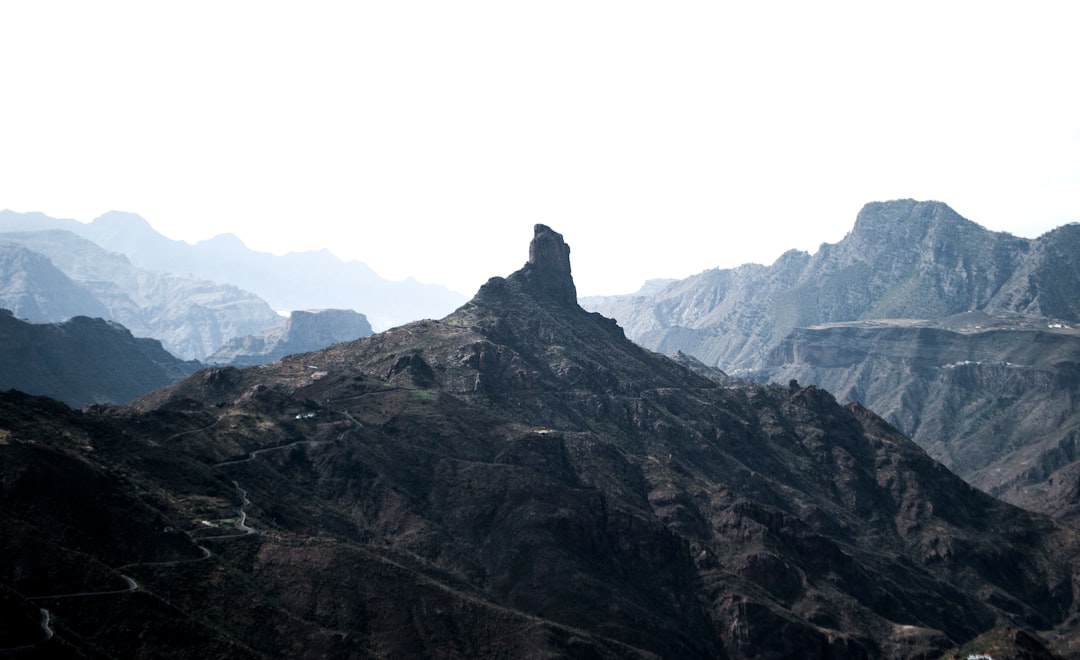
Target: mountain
(297,280)
(191,317)
(902,259)
(992,398)
(34,289)
(517,479)
(922,316)
(302,332)
(83,360)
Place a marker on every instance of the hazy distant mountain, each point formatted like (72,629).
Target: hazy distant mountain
(298,280)
(903,259)
(192,317)
(36,290)
(302,332)
(83,360)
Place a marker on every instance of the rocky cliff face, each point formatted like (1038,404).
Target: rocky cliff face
(191,317)
(991,398)
(83,360)
(302,332)
(515,480)
(903,259)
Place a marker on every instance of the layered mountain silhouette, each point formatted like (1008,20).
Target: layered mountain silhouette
(70,276)
(294,281)
(517,479)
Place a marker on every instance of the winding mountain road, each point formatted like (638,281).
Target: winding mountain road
(132,585)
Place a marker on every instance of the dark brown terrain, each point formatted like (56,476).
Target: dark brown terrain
(515,480)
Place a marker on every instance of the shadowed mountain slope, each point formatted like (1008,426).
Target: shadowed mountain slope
(515,480)
(83,360)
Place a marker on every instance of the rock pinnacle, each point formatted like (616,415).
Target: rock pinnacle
(548,268)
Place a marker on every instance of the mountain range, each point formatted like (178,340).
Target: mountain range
(294,281)
(517,479)
(72,276)
(903,259)
(963,338)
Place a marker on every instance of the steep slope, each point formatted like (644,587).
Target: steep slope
(83,361)
(992,398)
(297,280)
(191,317)
(302,332)
(903,259)
(515,480)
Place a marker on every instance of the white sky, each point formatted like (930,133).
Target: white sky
(426,138)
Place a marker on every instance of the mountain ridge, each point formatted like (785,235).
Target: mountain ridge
(83,360)
(903,259)
(294,281)
(191,317)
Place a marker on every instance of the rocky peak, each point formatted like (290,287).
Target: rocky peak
(548,268)
(903,223)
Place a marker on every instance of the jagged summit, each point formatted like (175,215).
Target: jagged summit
(548,268)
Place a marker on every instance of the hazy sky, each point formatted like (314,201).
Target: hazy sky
(426,138)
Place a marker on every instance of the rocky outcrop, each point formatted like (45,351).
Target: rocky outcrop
(83,360)
(191,317)
(302,332)
(548,268)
